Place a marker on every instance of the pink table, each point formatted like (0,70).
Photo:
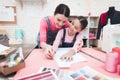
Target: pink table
(36,60)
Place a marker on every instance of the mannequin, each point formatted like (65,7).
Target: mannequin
(111,11)
(111,14)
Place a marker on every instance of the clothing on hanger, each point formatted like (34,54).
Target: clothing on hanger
(114,17)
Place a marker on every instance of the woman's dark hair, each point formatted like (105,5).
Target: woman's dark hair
(83,21)
(62,9)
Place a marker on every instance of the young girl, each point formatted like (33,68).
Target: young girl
(71,37)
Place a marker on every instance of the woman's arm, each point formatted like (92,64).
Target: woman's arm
(48,50)
(43,32)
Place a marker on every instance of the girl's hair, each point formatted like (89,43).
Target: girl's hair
(83,21)
(62,9)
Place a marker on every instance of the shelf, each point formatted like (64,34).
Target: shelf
(90,31)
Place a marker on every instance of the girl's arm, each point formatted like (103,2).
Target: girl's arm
(78,43)
(77,46)
(68,56)
(58,39)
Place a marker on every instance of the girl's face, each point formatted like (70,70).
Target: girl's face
(60,20)
(75,27)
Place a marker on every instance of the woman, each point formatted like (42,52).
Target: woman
(50,25)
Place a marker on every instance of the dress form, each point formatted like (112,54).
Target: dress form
(111,11)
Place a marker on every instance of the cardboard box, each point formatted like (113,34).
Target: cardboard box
(8,70)
(7,52)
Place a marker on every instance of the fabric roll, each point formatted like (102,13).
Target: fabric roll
(117,49)
(111,62)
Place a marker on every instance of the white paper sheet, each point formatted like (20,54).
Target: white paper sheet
(3,47)
(76,58)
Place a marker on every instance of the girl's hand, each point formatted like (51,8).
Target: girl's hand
(68,56)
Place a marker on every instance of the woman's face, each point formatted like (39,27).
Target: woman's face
(60,20)
(75,27)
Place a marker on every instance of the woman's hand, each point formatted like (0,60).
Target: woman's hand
(68,56)
(49,52)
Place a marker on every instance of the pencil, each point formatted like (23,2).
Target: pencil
(118,69)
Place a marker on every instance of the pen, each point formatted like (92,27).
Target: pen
(50,53)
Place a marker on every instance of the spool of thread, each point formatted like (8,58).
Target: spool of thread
(11,63)
(111,62)
(18,60)
(119,70)
(117,49)
(21,53)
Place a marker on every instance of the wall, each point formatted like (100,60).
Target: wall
(28,17)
